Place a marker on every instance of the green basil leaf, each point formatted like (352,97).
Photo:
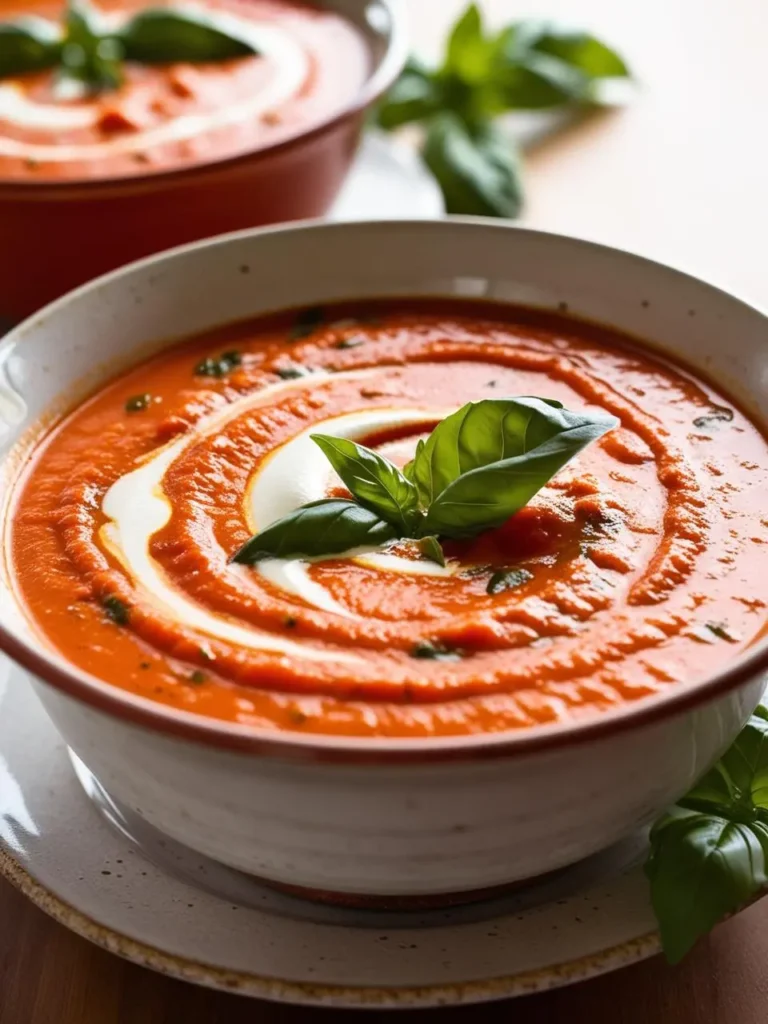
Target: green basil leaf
(28,44)
(430,547)
(330,526)
(479,434)
(485,462)
(469,53)
(538,65)
(415,96)
(166,34)
(701,868)
(477,170)
(741,775)
(582,51)
(374,481)
(540,82)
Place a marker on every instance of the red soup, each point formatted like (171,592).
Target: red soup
(639,565)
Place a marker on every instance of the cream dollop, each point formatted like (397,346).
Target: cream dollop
(137,507)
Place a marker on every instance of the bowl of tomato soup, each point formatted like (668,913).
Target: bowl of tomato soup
(177,145)
(430,709)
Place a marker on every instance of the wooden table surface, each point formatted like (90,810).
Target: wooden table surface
(679,176)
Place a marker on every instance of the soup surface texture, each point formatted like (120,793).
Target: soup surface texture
(640,565)
(311,63)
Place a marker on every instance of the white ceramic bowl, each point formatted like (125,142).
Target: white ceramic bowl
(360,816)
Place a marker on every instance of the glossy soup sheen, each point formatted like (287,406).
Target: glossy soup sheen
(645,559)
(312,64)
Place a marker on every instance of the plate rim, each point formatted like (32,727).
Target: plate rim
(253,985)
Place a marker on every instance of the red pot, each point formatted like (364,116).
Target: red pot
(55,236)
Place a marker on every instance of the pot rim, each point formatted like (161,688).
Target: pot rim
(375,85)
(139,711)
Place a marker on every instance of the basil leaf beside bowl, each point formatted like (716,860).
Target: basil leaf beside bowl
(582,51)
(415,95)
(375,482)
(165,35)
(702,868)
(330,526)
(477,169)
(469,50)
(709,854)
(28,44)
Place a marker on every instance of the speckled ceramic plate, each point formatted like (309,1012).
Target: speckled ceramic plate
(118,883)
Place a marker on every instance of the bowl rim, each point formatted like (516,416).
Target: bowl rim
(377,82)
(53,671)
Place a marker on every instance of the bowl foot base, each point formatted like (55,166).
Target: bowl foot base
(245,890)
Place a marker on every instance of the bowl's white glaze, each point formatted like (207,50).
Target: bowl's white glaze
(382,817)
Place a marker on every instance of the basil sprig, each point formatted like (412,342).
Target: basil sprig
(529,65)
(89,51)
(477,468)
(709,854)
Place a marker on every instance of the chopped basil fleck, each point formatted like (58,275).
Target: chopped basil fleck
(144,665)
(719,414)
(197,677)
(289,622)
(292,372)
(218,366)
(720,630)
(507,579)
(296,717)
(426,649)
(306,323)
(138,402)
(354,341)
(116,610)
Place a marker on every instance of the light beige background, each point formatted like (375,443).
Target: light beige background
(682,174)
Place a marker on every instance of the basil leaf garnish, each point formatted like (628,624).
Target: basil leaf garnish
(476,168)
(482,464)
(375,482)
(709,854)
(485,497)
(327,527)
(165,35)
(477,468)
(28,44)
(91,53)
